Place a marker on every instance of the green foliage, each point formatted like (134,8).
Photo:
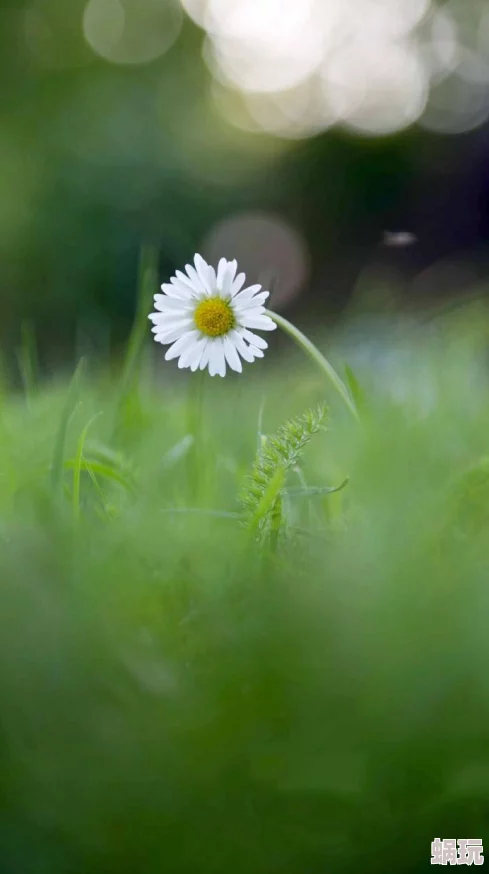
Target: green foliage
(262,493)
(147,286)
(471,497)
(66,415)
(175,697)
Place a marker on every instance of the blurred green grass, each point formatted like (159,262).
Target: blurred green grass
(174,697)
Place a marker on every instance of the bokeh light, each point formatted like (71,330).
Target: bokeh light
(467,16)
(383,18)
(376,87)
(439,45)
(131,31)
(263,46)
(483,33)
(303,67)
(104,23)
(374,66)
(268,249)
(460,101)
(294,114)
(297,113)
(196,10)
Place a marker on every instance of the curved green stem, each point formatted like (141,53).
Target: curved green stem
(316,356)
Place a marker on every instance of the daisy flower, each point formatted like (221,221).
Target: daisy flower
(209,318)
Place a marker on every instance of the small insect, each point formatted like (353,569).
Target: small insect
(399,239)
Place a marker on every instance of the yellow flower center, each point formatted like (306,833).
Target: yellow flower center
(214,317)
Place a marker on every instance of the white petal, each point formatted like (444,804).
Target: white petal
(167,339)
(175,331)
(196,362)
(187,324)
(261,323)
(168,318)
(165,320)
(257,301)
(186,340)
(221,269)
(232,267)
(184,282)
(247,293)
(171,318)
(228,278)
(165,303)
(168,322)
(203,272)
(213,359)
(253,348)
(199,348)
(232,356)
(176,289)
(217,363)
(222,357)
(241,346)
(194,276)
(169,335)
(192,352)
(162,318)
(253,339)
(212,278)
(249,310)
(238,283)
(204,361)
(244,311)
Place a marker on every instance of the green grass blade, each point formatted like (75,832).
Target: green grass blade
(91,465)
(68,410)
(356,389)
(309,491)
(96,486)
(77,468)
(147,285)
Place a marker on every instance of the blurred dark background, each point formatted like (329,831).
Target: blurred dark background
(333,146)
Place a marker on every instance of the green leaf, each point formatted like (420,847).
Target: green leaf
(104,470)
(309,491)
(77,468)
(356,389)
(261,495)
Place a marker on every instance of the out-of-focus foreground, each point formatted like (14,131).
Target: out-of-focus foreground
(176,695)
